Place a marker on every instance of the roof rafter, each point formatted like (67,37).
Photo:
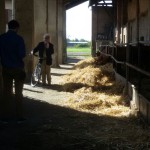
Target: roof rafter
(72,3)
(102,3)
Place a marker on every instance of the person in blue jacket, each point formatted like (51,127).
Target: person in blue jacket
(12,53)
(45,49)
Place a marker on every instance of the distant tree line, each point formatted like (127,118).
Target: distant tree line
(76,40)
(80,44)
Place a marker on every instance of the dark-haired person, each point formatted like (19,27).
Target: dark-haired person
(12,53)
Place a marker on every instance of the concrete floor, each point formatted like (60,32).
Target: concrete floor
(51,126)
(53,94)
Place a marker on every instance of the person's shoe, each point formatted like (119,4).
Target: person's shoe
(49,83)
(44,84)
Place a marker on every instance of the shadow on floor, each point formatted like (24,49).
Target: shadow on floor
(52,127)
(73,59)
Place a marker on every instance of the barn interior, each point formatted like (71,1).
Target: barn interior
(120,30)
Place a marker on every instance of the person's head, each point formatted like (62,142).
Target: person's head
(46,38)
(13,25)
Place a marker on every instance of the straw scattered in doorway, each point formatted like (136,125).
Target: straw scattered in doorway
(95,89)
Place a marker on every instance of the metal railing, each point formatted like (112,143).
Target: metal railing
(128,64)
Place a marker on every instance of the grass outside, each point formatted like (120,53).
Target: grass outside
(74,49)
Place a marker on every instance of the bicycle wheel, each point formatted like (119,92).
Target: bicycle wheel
(35,78)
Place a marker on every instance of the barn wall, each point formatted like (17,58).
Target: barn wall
(53,27)
(61,32)
(94,29)
(132,10)
(40,23)
(133,31)
(8,4)
(122,14)
(144,6)
(144,19)
(104,20)
(144,28)
(2,16)
(25,15)
(101,19)
(139,29)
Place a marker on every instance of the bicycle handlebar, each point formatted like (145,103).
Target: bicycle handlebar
(39,57)
(35,55)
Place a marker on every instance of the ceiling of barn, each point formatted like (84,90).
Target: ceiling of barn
(104,3)
(72,3)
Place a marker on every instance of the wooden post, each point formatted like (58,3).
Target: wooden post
(2,30)
(2,16)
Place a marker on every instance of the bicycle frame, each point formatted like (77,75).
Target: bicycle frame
(36,75)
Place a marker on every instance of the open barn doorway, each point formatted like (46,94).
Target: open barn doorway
(78,32)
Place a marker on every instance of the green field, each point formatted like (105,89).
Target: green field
(73,49)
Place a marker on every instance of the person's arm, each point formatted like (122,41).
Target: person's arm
(52,49)
(36,49)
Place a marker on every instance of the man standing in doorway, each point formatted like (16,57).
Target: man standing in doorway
(12,52)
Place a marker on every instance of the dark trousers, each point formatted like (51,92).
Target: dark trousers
(9,76)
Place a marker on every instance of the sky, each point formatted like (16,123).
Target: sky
(78,22)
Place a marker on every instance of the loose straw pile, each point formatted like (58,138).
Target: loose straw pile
(96,91)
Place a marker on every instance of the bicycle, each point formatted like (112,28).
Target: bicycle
(36,75)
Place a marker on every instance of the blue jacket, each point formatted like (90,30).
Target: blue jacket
(12,50)
(49,51)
